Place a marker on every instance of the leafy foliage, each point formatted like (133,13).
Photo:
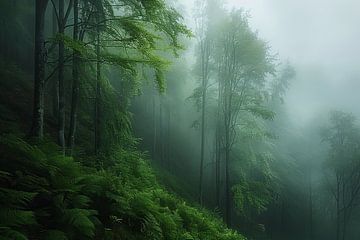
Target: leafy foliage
(47,196)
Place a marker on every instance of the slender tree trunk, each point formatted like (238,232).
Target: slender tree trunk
(37,129)
(338,208)
(205,56)
(161,131)
(227,120)
(168,144)
(344,210)
(75,82)
(202,150)
(98,89)
(154,127)
(217,167)
(344,224)
(55,85)
(218,145)
(310,206)
(227,178)
(61,114)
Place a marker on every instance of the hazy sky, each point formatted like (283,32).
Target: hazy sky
(321,38)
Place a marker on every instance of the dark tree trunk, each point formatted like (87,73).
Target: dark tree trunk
(205,57)
(310,206)
(217,167)
(227,180)
(202,150)
(61,114)
(337,208)
(344,210)
(218,146)
(154,127)
(37,129)
(55,85)
(75,82)
(98,88)
(227,146)
(168,143)
(161,129)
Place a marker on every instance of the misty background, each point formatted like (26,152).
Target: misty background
(321,40)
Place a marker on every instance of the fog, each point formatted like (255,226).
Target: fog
(200,119)
(321,40)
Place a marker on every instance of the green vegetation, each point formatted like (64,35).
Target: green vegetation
(134,119)
(47,196)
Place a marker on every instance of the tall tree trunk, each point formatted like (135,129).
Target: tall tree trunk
(154,127)
(218,143)
(344,210)
(37,129)
(202,150)
(205,57)
(310,205)
(98,88)
(227,121)
(344,224)
(161,131)
(217,167)
(61,114)
(227,178)
(337,207)
(75,82)
(55,85)
(168,142)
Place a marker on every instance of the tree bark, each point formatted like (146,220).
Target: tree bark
(75,82)
(37,129)
(61,114)
(218,145)
(344,210)
(55,85)
(205,58)
(338,208)
(310,205)
(217,167)
(161,129)
(98,88)
(168,144)
(227,180)
(202,150)
(154,127)
(227,120)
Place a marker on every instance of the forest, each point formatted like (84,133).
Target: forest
(179,120)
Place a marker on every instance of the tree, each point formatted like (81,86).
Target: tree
(37,129)
(62,20)
(204,46)
(122,34)
(243,62)
(75,80)
(343,138)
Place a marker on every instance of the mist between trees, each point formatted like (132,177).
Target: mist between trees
(125,119)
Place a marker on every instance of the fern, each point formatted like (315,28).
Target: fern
(7,233)
(68,201)
(16,218)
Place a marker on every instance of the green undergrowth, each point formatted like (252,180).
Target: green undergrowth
(44,195)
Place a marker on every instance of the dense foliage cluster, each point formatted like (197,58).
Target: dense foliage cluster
(47,196)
